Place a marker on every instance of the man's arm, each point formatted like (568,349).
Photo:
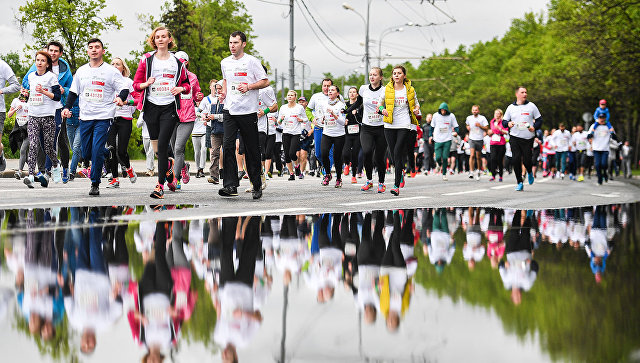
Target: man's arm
(263,83)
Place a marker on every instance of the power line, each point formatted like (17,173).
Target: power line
(272,2)
(325,34)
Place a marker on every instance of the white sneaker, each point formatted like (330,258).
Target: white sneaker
(264,181)
(444,177)
(478,175)
(28,181)
(56,173)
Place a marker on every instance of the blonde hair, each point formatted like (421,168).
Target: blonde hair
(126,71)
(151,40)
(294,92)
(499,110)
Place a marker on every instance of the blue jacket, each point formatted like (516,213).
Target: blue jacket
(64,78)
(217,127)
(599,111)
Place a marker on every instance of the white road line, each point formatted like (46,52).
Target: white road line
(205,215)
(44,203)
(467,192)
(38,188)
(385,201)
(610,195)
(502,187)
(544,180)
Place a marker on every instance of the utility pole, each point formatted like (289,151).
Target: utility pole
(291,48)
(282,88)
(366,45)
(276,81)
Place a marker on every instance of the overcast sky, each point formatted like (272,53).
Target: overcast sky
(474,21)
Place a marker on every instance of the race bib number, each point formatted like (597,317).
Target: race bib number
(22,120)
(374,117)
(161,88)
(290,122)
(602,132)
(350,249)
(563,142)
(581,144)
(88,301)
(330,122)
(523,125)
(496,137)
(234,89)
(400,101)
(443,130)
(94,92)
(36,98)
(186,96)
(271,120)
(353,129)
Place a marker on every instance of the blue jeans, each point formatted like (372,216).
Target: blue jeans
(93,136)
(73,134)
(90,255)
(561,161)
(601,159)
(317,140)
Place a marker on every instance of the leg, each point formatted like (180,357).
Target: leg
(73,134)
(124,134)
(326,144)
(112,159)
(367,140)
(338,143)
(516,159)
(216,146)
(183,132)
(167,125)
(49,134)
(229,161)
(63,142)
(149,153)
(33,131)
(98,151)
(249,131)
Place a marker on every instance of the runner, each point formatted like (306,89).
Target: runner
(43,99)
(579,142)
(291,118)
(333,119)
(198,139)
(374,144)
(520,117)
(498,147)
(20,107)
(243,77)
(161,78)
(120,131)
(400,109)
(306,140)
(6,75)
(476,125)
(266,105)
(99,88)
(561,138)
(599,136)
(182,132)
(211,108)
(314,105)
(443,127)
(352,139)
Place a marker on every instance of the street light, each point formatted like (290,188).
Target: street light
(346,6)
(383,34)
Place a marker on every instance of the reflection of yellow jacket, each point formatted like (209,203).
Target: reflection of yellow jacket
(390,97)
(385,295)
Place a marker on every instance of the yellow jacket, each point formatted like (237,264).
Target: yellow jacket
(390,97)
(385,295)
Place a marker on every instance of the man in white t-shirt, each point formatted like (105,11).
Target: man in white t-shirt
(6,75)
(99,87)
(476,125)
(579,143)
(243,75)
(562,138)
(314,102)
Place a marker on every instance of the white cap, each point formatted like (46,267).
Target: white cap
(182,55)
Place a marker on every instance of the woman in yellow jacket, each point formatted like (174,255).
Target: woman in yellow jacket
(400,108)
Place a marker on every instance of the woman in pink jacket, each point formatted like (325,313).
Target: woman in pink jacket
(498,145)
(161,78)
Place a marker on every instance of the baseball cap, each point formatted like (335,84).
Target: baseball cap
(603,101)
(302,98)
(199,96)
(182,55)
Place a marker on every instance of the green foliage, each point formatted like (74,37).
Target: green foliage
(70,22)
(203,320)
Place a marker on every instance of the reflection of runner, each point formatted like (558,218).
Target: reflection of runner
(473,250)
(369,258)
(598,247)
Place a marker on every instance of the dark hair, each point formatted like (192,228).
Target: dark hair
(378,69)
(337,88)
(55,44)
(240,34)
(518,88)
(49,61)
(95,40)
(327,80)
(401,67)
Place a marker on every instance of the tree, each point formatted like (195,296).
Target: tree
(70,22)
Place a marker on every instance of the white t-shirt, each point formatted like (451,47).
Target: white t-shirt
(235,330)
(158,329)
(315,101)
(96,89)
(401,116)
(247,70)
(601,137)
(292,118)
(272,119)
(91,305)
(333,126)
(56,71)
(199,128)
(475,132)
(562,140)
(126,111)
(370,103)
(6,74)
(165,72)
(266,98)
(579,140)
(523,116)
(39,104)
(443,127)
(22,115)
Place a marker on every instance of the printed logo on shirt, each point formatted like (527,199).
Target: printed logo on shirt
(240,74)
(168,75)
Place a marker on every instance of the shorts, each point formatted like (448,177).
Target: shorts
(476,145)
(581,158)
(551,161)
(3,116)
(305,144)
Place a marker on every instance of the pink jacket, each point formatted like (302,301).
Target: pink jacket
(187,111)
(497,130)
(144,72)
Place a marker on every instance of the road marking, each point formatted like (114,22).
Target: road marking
(205,215)
(502,187)
(610,195)
(544,180)
(467,192)
(44,203)
(385,200)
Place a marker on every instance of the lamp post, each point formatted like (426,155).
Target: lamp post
(303,65)
(346,6)
(383,34)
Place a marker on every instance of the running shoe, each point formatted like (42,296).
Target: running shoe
(500,179)
(3,161)
(57,174)
(28,181)
(381,187)
(172,186)
(492,178)
(354,180)
(301,176)
(17,174)
(95,190)
(263,180)
(184,173)
(178,184)
(44,181)
(478,175)
(345,171)
(256,194)
(395,190)
(113,183)
(413,174)
(213,180)
(470,176)
(65,175)
(581,178)
(338,183)
(531,179)
(170,170)
(86,172)
(241,174)
(133,177)
(325,180)
(402,181)
(228,192)
(151,172)
(72,176)
(158,192)
(519,187)
(444,177)
(367,186)
(562,176)
(297,170)
(292,177)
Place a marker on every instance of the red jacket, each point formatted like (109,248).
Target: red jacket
(144,72)
(187,112)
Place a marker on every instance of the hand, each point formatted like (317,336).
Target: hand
(66,113)
(39,88)
(385,113)
(477,124)
(19,107)
(354,112)
(118,101)
(430,140)
(454,133)
(416,110)
(511,124)
(531,129)
(243,87)
(237,313)
(260,113)
(222,95)
(177,90)
(149,82)
(61,90)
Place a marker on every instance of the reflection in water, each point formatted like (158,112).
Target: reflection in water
(76,273)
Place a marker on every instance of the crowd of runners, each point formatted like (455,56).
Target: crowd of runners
(377,127)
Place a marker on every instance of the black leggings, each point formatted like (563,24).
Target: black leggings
(331,239)
(338,143)
(156,277)
(277,155)
(118,139)
(161,120)
(247,245)
(351,150)
(522,154)
(411,142)
(397,139)
(497,159)
(374,146)
(393,255)
(266,145)
(291,145)
(371,248)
